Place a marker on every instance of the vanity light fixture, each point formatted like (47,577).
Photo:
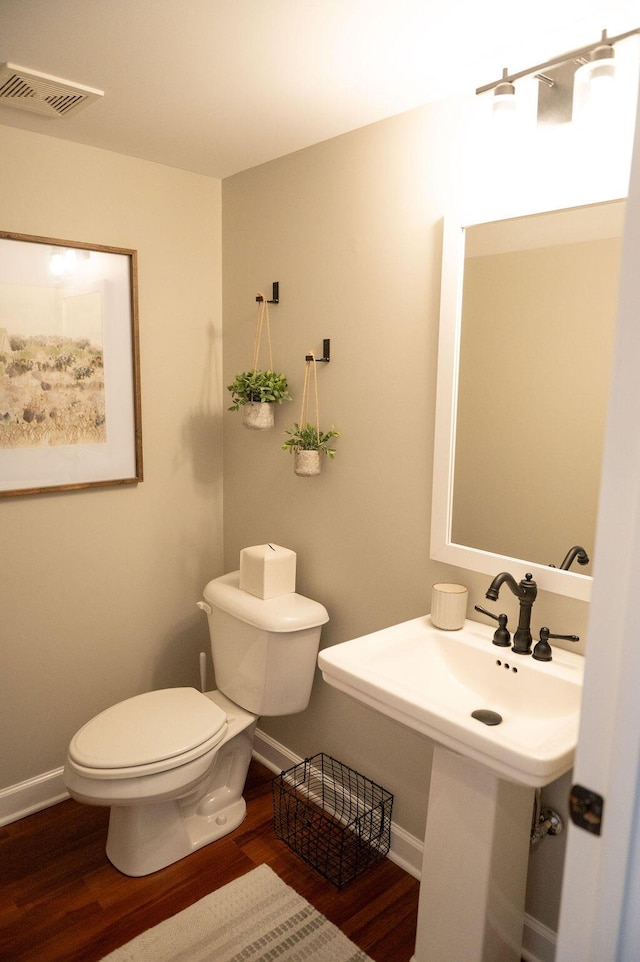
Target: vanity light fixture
(601,63)
(594,81)
(504,97)
(556,77)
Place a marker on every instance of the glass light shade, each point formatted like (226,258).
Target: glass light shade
(602,70)
(504,101)
(595,87)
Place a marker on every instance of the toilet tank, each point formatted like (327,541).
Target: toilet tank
(264,651)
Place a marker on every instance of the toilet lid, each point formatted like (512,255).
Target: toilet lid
(148,728)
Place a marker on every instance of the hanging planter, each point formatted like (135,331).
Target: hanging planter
(257,391)
(307,464)
(306,441)
(257,416)
(307,444)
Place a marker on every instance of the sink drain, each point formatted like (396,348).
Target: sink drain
(486,716)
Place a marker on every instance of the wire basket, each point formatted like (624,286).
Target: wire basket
(338,821)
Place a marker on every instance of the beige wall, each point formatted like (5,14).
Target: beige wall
(98,587)
(352,230)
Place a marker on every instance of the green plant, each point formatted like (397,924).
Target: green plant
(264,387)
(308,438)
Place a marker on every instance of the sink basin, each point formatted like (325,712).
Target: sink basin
(433,680)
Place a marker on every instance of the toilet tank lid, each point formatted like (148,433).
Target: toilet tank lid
(290,612)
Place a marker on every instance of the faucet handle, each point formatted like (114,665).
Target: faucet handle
(542,651)
(501,636)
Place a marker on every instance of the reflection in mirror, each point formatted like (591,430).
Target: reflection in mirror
(527,331)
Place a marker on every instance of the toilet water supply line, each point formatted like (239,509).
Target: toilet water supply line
(203,657)
(545,821)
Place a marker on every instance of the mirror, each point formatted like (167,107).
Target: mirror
(528,311)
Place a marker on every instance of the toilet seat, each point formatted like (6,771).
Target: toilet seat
(149,733)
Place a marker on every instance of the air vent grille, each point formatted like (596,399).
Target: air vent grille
(42,94)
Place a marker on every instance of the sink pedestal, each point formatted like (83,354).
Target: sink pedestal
(474,867)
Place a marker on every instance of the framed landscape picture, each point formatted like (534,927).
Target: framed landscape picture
(69,366)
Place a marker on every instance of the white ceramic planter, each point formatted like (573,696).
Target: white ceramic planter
(258,416)
(306,463)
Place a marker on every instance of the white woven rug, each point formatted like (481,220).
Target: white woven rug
(256,918)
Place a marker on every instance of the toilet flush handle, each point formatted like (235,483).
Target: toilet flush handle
(205,607)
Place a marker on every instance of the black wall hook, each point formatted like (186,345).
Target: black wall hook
(326,352)
(275,297)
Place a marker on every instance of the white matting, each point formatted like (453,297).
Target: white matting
(252,919)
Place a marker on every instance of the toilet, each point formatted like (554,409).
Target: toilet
(172,764)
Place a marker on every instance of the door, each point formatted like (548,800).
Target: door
(602,872)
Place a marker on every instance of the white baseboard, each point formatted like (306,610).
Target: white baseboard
(539,942)
(37,793)
(272,754)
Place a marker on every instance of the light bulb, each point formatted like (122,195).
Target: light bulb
(504,100)
(594,85)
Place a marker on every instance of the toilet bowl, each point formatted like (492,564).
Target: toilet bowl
(163,808)
(171,764)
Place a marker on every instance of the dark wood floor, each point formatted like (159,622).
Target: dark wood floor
(62,901)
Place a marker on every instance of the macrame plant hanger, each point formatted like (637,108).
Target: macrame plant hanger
(262,321)
(307,462)
(260,416)
(310,365)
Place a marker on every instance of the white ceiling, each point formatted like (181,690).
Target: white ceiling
(218,86)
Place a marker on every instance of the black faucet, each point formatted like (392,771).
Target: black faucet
(577,552)
(525,591)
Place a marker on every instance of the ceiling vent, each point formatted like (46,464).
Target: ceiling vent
(42,94)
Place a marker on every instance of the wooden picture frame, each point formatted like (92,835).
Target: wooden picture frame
(70,413)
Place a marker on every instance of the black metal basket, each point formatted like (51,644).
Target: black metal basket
(335,819)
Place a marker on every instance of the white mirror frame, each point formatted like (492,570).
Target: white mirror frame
(567,583)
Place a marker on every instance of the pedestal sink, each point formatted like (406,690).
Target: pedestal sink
(503,725)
